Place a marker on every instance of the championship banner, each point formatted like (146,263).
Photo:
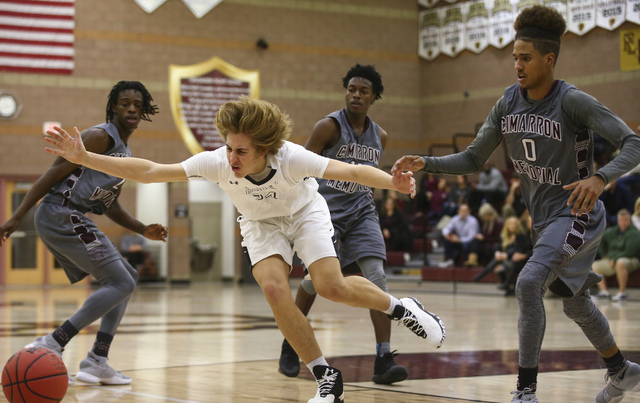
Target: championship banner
(150,5)
(200,8)
(610,14)
(477,26)
(522,4)
(633,11)
(630,49)
(429,36)
(196,93)
(428,3)
(501,19)
(581,16)
(559,5)
(452,31)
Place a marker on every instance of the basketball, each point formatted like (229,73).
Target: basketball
(34,375)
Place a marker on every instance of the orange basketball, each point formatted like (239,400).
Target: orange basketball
(34,375)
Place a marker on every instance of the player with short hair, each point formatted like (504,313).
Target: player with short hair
(547,126)
(349,135)
(69,192)
(271,183)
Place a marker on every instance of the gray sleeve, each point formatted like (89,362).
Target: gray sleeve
(583,108)
(471,160)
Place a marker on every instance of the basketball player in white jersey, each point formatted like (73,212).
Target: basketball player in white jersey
(271,182)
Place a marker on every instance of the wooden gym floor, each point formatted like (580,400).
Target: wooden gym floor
(212,342)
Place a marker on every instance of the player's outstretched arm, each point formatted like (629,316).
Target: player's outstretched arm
(408,163)
(367,175)
(137,169)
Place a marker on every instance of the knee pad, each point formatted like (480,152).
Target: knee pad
(307,286)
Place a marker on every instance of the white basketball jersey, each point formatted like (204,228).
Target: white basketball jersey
(287,188)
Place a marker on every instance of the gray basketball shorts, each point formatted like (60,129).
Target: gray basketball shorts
(359,236)
(74,240)
(568,246)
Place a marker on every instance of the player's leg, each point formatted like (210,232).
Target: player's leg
(289,362)
(385,370)
(272,274)
(115,283)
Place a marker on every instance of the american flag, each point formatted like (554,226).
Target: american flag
(36,36)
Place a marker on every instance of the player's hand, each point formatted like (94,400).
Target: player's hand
(7,229)
(156,232)
(70,148)
(404,182)
(585,194)
(408,163)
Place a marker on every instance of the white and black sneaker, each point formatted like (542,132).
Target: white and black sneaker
(330,389)
(421,322)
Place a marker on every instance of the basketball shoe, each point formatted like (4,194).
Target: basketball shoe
(526,395)
(95,369)
(421,322)
(289,364)
(625,380)
(330,388)
(386,371)
(50,343)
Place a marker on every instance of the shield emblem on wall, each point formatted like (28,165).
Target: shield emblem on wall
(196,93)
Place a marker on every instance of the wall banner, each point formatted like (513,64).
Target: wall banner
(581,16)
(610,14)
(630,49)
(429,40)
(477,29)
(196,93)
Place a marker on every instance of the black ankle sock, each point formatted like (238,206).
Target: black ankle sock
(527,378)
(102,344)
(64,333)
(615,362)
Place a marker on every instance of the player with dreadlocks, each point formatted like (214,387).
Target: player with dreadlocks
(68,192)
(547,126)
(349,135)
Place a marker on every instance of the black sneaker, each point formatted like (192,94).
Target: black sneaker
(386,371)
(289,361)
(330,388)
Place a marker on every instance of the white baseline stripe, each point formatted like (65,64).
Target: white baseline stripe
(31,9)
(37,22)
(36,63)
(37,50)
(36,36)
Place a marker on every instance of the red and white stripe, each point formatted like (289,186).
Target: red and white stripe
(37,36)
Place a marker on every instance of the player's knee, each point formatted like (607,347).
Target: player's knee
(308,287)
(336,292)
(274,292)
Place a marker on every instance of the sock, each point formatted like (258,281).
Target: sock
(64,333)
(527,378)
(102,344)
(318,361)
(383,348)
(614,363)
(392,304)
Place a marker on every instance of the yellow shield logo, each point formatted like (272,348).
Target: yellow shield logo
(196,93)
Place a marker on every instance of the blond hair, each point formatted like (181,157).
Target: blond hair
(266,125)
(508,236)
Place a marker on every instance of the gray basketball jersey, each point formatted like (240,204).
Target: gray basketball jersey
(352,206)
(345,198)
(87,190)
(547,149)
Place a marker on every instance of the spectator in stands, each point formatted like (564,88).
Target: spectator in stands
(458,236)
(132,248)
(635,218)
(395,227)
(491,188)
(489,237)
(510,255)
(513,203)
(437,199)
(615,198)
(458,193)
(619,253)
